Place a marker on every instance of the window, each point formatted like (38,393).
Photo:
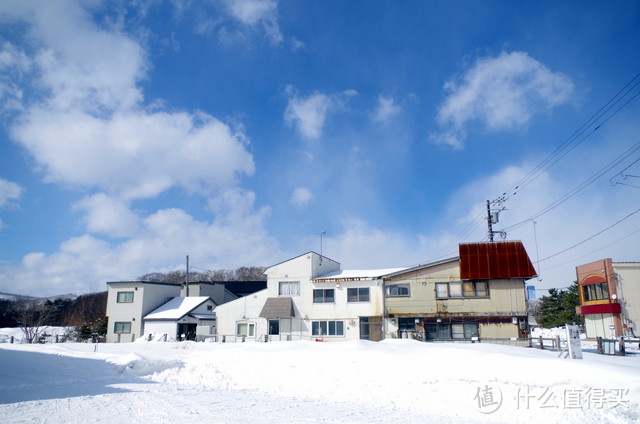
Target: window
(360,294)
(462,289)
(323,296)
(124,297)
(246,329)
(327,328)
(122,327)
(458,331)
(398,290)
(209,307)
(406,324)
(289,288)
(597,291)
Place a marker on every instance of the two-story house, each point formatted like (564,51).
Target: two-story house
(609,298)
(139,308)
(309,297)
(479,294)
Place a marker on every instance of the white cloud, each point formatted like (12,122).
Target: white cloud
(235,237)
(385,109)
(309,114)
(362,246)
(92,129)
(135,154)
(9,191)
(502,92)
(301,197)
(108,216)
(257,14)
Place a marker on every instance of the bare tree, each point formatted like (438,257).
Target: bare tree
(31,317)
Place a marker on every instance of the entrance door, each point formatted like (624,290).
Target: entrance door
(371,328)
(188,330)
(274,330)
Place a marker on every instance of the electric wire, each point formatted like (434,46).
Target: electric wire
(570,143)
(615,162)
(591,237)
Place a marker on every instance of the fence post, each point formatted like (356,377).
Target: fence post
(243,337)
(541,343)
(558,346)
(600,347)
(622,349)
(224,338)
(11,339)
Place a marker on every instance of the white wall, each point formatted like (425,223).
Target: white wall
(302,269)
(146,298)
(628,288)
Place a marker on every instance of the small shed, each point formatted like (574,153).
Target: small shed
(181,318)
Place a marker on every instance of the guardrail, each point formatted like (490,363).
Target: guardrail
(614,346)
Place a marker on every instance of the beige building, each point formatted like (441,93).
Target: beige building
(609,298)
(480,294)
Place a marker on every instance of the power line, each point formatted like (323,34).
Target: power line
(594,251)
(622,157)
(589,238)
(573,140)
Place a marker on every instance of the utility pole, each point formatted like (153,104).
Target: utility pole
(489,221)
(186,283)
(493,217)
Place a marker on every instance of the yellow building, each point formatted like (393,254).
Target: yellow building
(478,295)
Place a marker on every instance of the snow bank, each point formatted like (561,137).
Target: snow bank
(394,380)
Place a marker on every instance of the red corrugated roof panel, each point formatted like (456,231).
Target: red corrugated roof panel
(507,259)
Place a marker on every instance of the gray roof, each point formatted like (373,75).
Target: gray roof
(278,307)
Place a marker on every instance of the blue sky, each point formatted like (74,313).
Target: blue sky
(135,133)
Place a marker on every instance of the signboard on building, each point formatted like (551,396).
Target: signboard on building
(573,341)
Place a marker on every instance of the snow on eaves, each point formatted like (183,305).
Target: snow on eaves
(177,307)
(357,274)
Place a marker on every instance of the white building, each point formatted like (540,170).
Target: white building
(181,318)
(308,297)
(128,302)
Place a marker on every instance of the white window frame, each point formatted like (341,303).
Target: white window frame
(288,288)
(393,290)
(336,324)
(124,295)
(460,293)
(122,325)
(251,329)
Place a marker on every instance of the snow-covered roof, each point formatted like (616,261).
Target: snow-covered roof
(357,274)
(177,307)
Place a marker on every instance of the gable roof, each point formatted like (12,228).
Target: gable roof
(507,259)
(311,252)
(177,308)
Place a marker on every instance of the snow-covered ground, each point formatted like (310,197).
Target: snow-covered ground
(399,381)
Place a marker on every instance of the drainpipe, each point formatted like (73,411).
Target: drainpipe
(384,309)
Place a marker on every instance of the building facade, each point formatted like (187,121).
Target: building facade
(479,295)
(609,298)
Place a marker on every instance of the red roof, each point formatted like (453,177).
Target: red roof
(505,259)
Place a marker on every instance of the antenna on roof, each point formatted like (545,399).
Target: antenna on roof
(321,234)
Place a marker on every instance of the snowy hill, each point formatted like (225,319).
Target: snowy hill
(399,381)
(18,297)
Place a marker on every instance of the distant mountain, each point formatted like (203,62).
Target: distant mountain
(18,297)
(14,297)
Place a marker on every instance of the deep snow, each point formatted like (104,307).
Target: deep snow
(400,381)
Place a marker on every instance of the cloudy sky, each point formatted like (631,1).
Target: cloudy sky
(135,133)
